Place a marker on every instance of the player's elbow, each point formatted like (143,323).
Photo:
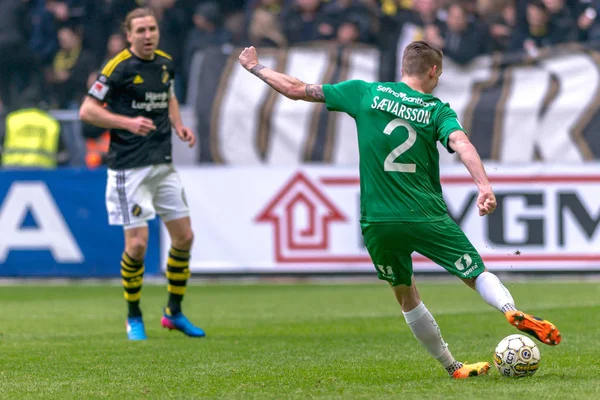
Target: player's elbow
(464,148)
(84,112)
(459,142)
(295,92)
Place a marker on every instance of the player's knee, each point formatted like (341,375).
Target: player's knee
(184,241)
(136,247)
(470,282)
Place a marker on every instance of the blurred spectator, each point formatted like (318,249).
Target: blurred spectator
(303,21)
(265,28)
(98,22)
(399,29)
(427,11)
(486,9)
(353,20)
(115,44)
(391,7)
(502,23)
(118,10)
(464,29)
(44,40)
(588,21)
(348,32)
(562,20)
(31,137)
(537,33)
(208,31)
(15,62)
(70,69)
(460,37)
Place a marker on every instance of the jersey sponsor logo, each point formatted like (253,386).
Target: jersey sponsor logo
(463,262)
(99,90)
(137,80)
(405,97)
(153,101)
(50,232)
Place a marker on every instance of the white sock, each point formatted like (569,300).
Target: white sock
(426,331)
(493,292)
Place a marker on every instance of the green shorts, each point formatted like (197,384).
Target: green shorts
(390,245)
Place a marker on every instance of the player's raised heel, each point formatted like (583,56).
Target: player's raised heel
(179,322)
(135,329)
(542,330)
(469,370)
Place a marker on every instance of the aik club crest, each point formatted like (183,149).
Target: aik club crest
(136,210)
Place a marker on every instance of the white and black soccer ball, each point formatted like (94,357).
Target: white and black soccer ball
(517,356)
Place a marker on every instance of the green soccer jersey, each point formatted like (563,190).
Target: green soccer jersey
(398,129)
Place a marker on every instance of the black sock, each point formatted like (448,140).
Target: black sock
(174,303)
(134,309)
(132,272)
(178,273)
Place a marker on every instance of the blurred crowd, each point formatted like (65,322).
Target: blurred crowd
(53,48)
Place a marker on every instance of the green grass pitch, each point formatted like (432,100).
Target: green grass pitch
(285,341)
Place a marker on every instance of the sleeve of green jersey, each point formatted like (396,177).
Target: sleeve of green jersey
(345,96)
(447,122)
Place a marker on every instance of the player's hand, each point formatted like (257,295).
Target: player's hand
(141,126)
(186,135)
(486,202)
(248,57)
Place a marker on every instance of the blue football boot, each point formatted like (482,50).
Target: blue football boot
(135,328)
(179,322)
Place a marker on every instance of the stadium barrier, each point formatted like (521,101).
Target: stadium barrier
(306,219)
(294,220)
(55,224)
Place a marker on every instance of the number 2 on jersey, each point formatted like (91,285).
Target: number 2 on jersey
(389,164)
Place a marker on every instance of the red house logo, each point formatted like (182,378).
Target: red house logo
(301,216)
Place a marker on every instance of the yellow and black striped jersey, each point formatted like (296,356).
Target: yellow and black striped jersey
(135,87)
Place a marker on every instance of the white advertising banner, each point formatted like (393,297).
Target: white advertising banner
(306,219)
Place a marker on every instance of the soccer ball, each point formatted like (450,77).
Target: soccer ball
(517,356)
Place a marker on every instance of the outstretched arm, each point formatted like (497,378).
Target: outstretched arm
(460,143)
(288,86)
